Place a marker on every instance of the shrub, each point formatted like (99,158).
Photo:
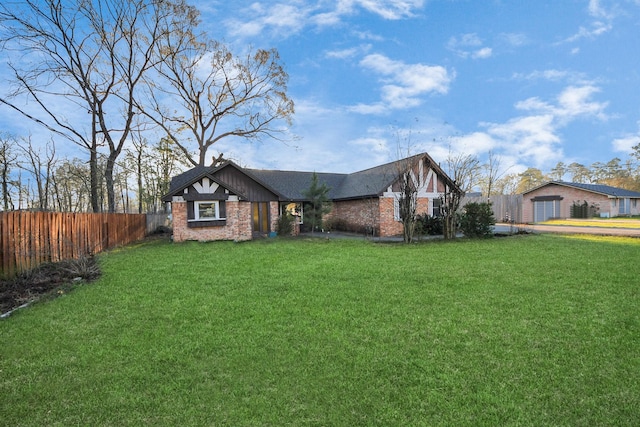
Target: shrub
(284,227)
(477,220)
(427,225)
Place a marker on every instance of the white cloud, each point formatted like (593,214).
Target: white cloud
(626,142)
(514,39)
(288,17)
(483,53)
(387,9)
(475,143)
(372,146)
(572,78)
(602,23)
(342,53)
(403,84)
(282,18)
(368,35)
(534,138)
(572,102)
(469,45)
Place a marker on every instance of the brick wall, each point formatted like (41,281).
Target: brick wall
(569,195)
(357,215)
(389,226)
(238,227)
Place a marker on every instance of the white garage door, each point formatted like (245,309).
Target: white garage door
(545,209)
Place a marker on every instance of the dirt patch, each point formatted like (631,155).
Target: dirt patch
(46,280)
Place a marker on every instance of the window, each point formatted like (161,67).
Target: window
(397,215)
(546,209)
(436,207)
(207,211)
(624,206)
(294,209)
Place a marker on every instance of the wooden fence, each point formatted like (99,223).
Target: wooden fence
(506,208)
(28,239)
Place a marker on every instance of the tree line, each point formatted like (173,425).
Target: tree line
(35,178)
(616,173)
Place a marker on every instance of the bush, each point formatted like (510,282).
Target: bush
(427,225)
(477,220)
(284,226)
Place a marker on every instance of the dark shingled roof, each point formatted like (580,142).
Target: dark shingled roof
(367,183)
(607,190)
(290,185)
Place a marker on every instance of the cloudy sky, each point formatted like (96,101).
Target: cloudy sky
(534,82)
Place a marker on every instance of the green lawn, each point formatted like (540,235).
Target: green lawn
(632,222)
(526,330)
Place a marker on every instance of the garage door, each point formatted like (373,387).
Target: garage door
(545,209)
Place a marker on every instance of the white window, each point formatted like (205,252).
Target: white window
(206,211)
(396,209)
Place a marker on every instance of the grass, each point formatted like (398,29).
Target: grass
(528,330)
(631,222)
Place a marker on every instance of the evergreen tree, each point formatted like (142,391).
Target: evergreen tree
(318,203)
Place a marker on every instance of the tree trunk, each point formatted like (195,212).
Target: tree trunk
(108,179)
(94,180)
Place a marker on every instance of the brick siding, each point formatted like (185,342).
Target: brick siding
(357,215)
(238,226)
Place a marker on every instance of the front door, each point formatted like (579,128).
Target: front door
(260,217)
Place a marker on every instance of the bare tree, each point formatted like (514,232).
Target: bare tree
(90,57)
(464,170)
(408,202)
(508,184)
(8,157)
(40,166)
(492,173)
(206,94)
(71,188)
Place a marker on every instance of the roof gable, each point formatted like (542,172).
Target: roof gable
(201,174)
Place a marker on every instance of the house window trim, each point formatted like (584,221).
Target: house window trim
(196,211)
(396,209)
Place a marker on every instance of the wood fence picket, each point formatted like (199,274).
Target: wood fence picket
(28,239)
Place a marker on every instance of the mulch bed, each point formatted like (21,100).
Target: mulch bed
(46,280)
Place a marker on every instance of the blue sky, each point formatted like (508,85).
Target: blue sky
(534,82)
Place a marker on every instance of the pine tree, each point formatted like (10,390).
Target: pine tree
(318,203)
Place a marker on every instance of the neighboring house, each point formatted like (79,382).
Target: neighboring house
(228,202)
(555,200)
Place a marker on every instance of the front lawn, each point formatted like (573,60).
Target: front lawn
(630,222)
(526,330)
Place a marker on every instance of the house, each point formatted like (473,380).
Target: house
(557,199)
(228,202)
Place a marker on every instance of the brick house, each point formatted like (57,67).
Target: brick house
(557,199)
(228,202)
